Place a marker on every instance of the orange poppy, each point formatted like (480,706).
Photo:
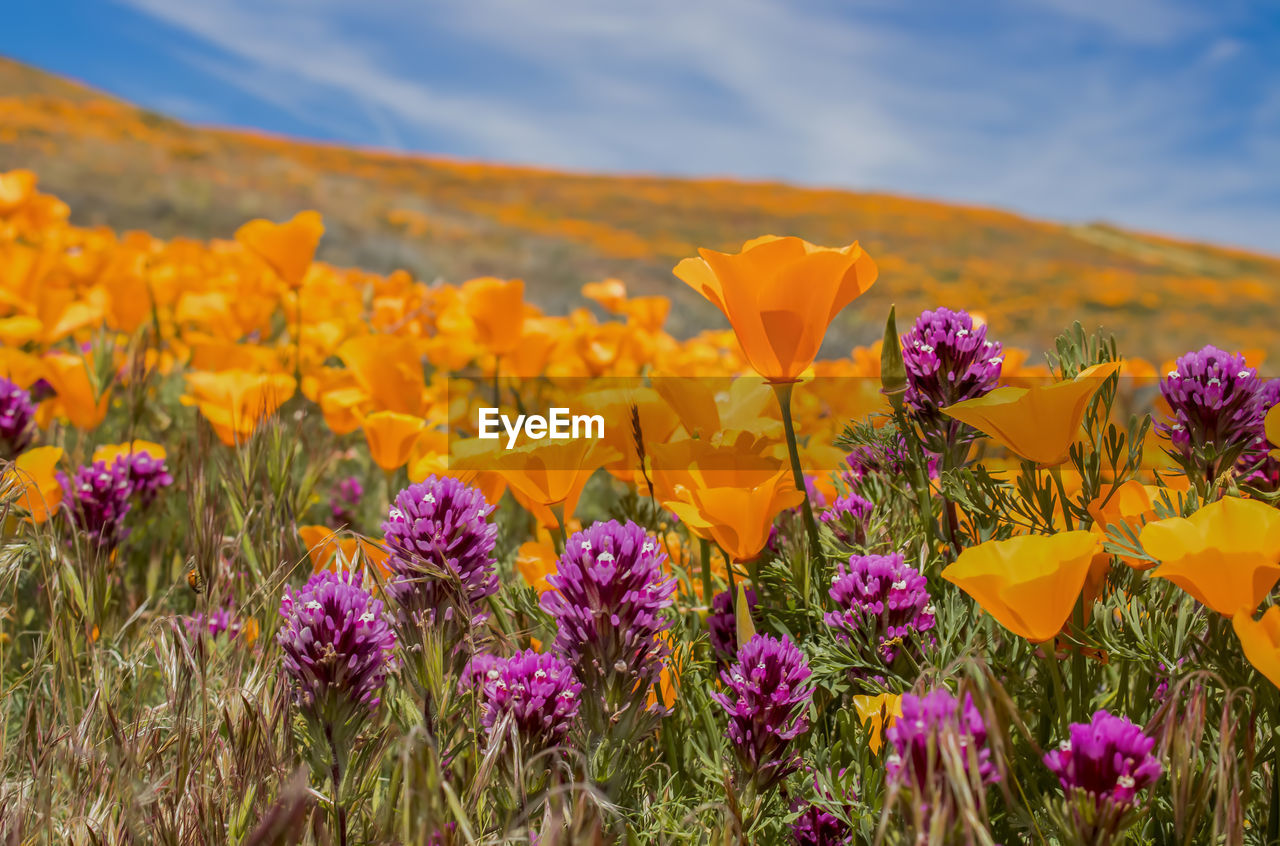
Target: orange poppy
(389,370)
(1039,423)
(1260,641)
(1028,583)
(287,248)
(1272,423)
(545,476)
(235,401)
(108,453)
(324,546)
(391,437)
(496,307)
(780,295)
(77,398)
(1226,555)
(1131,505)
(35,471)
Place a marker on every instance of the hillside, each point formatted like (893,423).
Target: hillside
(128,168)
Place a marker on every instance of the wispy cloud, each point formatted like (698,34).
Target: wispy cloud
(1077,109)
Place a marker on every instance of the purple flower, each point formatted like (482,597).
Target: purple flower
(818,827)
(608,597)
(17,416)
(722,625)
(883,602)
(97,498)
(344,500)
(441,549)
(767,699)
(929,725)
(889,460)
(220,621)
(948,360)
(847,518)
(337,645)
(535,694)
(1212,396)
(1256,464)
(147,475)
(1109,759)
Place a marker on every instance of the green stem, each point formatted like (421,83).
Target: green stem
(497,395)
(1056,472)
(1273,815)
(1059,689)
(783,391)
(704,549)
(920,482)
(562,537)
(1079,684)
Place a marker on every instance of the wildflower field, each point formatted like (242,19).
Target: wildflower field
(263,583)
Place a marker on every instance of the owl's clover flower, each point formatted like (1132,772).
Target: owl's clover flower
(1212,397)
(927,726)
(767,695)
(534,695)
(847,518)
(337,646)
(17,419)
(817,826)
(607,598)
(97,497)
(948,360)
(441,551)
(883,601)
(1108,759)
(344,500)
(148,475)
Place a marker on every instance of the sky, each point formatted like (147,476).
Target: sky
(1159,115)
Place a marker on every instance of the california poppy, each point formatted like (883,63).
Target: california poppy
(235,401)
(877,713)
(780,295)
(1038,423)
(1260,641)
(496,307)
(547,476)
(1131,505)
(287,248)
(77,398)
(1029,583)
(324,546)
(1272,423)
(1226,555)
(108,453)
(16,188)
(34,472)
(729,493)
(389,370)
(391,437)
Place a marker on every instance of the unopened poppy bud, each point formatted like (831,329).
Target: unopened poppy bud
(893,370)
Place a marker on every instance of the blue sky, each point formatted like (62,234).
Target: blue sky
(1157,114)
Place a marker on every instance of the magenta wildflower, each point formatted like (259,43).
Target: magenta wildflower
(534,695)
(337,645)
(847,518)
(97,498)
(441,546)
(948,360)
(883,602)
(767,696)
(1212,396)
(817,826)
(147,476)
(1109,759)
(883,460)
(722,625)
(218,622)
(929,725)
(17,419)
(608,598)
(344,500)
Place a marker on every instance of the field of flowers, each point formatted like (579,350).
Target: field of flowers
(260,582)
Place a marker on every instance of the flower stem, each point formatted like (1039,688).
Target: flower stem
(1056,472)
(704,549)
(562,537)
(783,391)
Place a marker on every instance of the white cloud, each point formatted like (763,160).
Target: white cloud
(775,89)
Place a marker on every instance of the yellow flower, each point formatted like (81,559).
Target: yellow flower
(780,295)
(389,370)
(1029,583)
(1226,555)
(877,713)
(1260,641)
(1272,423)
(391,437)
(1038,423)
(108,453)
(496,307)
